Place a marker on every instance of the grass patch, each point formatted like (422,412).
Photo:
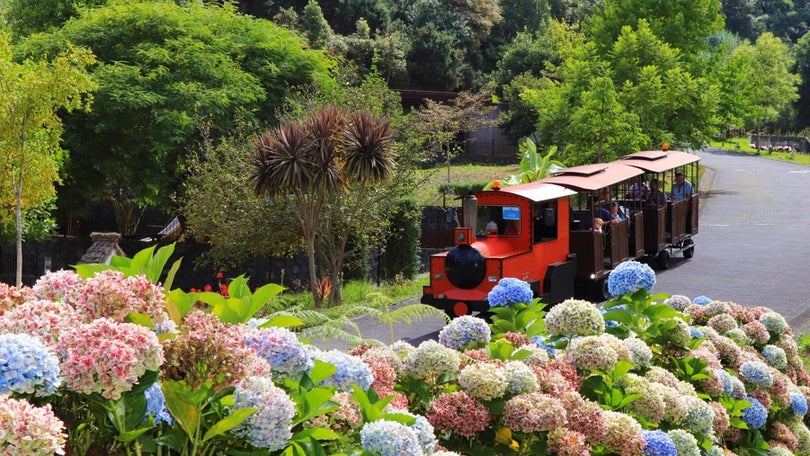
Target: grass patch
(355,293)
(741,145)
(438,188)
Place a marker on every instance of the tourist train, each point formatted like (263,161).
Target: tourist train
(544,232)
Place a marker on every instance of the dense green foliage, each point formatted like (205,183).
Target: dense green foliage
(164,71)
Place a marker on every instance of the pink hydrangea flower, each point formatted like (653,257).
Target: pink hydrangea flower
(11,296)
(58,285)
(107,357)
(584,416)
(110,294)
(29,430)
(208,350)
(532,412)
(460,413)
(43,318)
(565,442)
(624,435)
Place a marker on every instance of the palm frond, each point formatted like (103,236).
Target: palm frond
(331,332)
(309,317)
(324,127)
(361,311)
(369,148)
(414,312)
(281,162)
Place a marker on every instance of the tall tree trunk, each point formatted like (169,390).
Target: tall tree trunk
(18,214)
(313,275)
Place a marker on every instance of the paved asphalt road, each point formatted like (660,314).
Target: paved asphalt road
(753,247)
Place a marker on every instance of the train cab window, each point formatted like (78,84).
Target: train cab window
(544,221)
(502,221)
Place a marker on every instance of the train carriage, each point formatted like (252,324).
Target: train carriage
(539,232)
(600,185)
(669,229)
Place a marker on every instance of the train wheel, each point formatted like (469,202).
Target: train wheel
(688,248)
(458,309)
(662,259)
(600,289)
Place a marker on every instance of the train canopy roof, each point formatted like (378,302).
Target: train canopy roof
(593,177)
(658,161)
(538,191)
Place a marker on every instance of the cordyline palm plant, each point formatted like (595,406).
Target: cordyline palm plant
(311,160)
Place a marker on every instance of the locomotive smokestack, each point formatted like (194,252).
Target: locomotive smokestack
(469,205)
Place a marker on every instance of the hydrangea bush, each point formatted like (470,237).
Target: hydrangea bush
(643,374)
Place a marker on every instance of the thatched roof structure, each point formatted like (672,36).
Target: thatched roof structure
(104,246)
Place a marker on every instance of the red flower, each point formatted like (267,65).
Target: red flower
(207,287)
(223,289)
(219,275)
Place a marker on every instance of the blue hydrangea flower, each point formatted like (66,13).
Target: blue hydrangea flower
(775,356)
(715,451)
(389,438)
(701,300)
(685,443)
(288,357)
(725,377)
(757,373)
(731,384)
(755,414)
(540,341)
(463,331)
(695,332)
(520,378)
(270,427)
(798,404)
(156,405)
(630,277)
(510,291)
(775,323)
(640,352)
(699,416)
(26,366)
(612,323)
(658,443)
(423,430)
(351,370)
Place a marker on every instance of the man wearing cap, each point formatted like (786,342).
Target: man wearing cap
(682,188)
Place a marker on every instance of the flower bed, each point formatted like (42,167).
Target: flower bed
(113,364)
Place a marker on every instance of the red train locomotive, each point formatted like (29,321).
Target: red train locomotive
(545,232)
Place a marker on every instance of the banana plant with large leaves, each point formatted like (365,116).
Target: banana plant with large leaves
(533,166)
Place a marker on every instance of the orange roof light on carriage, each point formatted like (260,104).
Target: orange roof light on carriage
(665,146)
(496,185)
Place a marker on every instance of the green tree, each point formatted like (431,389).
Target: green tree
(802,54)
(601,124)
(222,209)
(309,161)
(162,71)
(314,25)
(32,92)
(26,18)
(766,87)
(655,84)
(683,24)
(446,38)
